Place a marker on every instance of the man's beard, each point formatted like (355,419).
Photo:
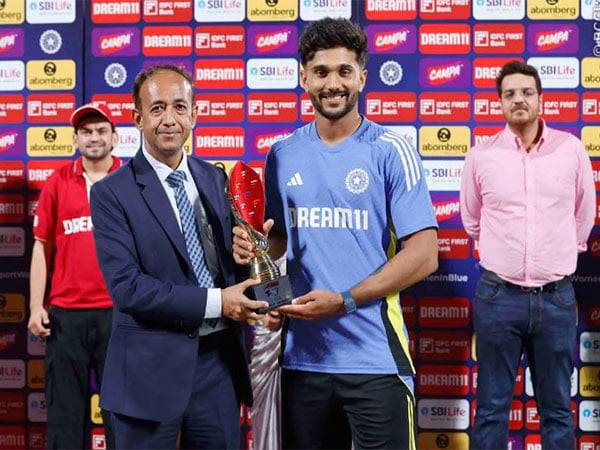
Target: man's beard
(92,156)
(350,103)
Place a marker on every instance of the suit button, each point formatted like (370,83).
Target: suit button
(192,335)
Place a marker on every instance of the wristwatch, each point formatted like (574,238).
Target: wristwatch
(349,302)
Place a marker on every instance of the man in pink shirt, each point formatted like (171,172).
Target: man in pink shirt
(528,198)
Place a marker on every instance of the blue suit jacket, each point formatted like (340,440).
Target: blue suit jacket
(153,349)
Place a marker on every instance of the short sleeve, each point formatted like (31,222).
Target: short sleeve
(273,198)
(44,221)
(408,198)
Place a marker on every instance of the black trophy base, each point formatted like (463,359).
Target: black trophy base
(277,292)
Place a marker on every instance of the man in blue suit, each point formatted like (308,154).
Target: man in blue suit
(162,226)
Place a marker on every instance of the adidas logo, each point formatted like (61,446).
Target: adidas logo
(296,180)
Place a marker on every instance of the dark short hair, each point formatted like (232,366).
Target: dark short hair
(332,33)
(512,67)
(98,116)
(144,74)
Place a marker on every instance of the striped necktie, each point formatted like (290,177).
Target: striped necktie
(191,233)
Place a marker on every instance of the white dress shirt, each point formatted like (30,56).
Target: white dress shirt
(213,296)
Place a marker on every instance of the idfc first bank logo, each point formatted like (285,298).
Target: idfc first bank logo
(117,41)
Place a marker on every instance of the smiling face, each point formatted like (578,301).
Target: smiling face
(94,138)
(520,100)
(166,114)
(333,79)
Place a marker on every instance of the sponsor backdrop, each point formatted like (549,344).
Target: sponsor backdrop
(431,78)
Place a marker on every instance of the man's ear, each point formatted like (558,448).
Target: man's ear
(137,118)
(303,78)
(363,79)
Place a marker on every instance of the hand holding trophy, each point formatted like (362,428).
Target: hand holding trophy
(246,198)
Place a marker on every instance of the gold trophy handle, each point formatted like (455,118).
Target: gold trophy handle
(261,266)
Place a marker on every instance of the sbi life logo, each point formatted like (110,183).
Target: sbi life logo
(424,411)
(591,413)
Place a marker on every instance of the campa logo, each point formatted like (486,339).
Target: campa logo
(553,38)
(8,140)
(446,210)
(438,72)
(272,39)
(8,41)
(267,42)
(113,43)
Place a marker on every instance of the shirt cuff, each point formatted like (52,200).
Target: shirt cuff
(213,304)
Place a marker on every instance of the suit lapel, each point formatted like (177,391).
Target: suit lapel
(157,201)
(212,199)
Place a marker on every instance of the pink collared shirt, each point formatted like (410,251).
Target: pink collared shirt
(530,212)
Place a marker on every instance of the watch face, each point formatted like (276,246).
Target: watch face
(349,302)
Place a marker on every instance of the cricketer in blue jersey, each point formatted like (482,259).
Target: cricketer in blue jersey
(347,199)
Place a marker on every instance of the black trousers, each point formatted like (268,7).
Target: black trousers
(334,411)
(76,345)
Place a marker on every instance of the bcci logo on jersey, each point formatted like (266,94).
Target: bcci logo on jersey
(357,181)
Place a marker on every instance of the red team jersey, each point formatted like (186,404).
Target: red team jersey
(63,217)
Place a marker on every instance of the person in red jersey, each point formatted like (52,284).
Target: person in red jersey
(76,319)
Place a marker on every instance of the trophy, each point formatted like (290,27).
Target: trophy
(246,198)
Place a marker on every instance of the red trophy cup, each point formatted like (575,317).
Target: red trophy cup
(246,198)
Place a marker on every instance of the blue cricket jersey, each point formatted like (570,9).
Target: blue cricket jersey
(339,207)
